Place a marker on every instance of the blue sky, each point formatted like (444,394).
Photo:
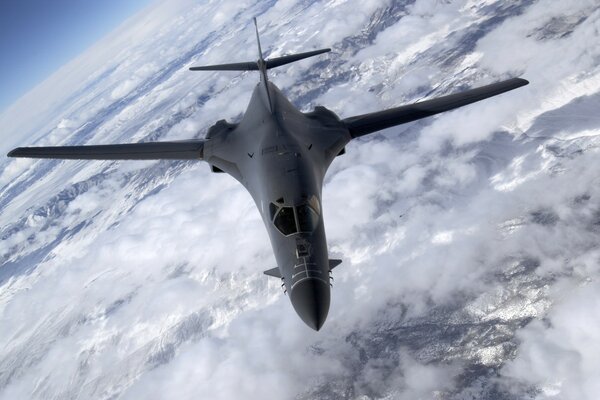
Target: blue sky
(39,36)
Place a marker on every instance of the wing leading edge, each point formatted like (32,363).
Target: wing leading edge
(368,123)
(183,150)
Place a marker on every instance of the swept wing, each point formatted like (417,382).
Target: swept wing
(183,150)
(368,123)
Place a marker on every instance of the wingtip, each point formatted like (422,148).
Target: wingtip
(13,153)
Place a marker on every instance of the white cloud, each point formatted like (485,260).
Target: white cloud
(154,287)
(561,355)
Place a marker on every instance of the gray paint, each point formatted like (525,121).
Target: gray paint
(284,154)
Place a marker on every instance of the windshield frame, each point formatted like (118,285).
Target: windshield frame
(306,217)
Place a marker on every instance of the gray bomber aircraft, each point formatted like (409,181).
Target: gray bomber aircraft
(281,156)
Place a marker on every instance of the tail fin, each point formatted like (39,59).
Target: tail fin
(256,65)
(260,53)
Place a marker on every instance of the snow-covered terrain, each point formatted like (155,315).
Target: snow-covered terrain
(470,240)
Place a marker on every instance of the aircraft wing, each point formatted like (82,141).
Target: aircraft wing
(367,123)
(178,150)
(243,66)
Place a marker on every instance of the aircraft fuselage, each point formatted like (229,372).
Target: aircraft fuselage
(281,155)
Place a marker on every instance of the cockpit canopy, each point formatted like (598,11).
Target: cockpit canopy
(301,218)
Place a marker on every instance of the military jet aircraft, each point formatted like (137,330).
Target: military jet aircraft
(281,156)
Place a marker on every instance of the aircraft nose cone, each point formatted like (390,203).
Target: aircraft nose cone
(310,299)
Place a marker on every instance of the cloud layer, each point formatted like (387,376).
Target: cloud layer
(469,240)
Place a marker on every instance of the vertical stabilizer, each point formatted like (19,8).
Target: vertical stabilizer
(262,68)
(260,53)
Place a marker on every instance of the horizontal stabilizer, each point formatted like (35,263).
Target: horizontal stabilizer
(253,65)
(183,150)
(274,272)
(279,61)
(367,123)
(334,263)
